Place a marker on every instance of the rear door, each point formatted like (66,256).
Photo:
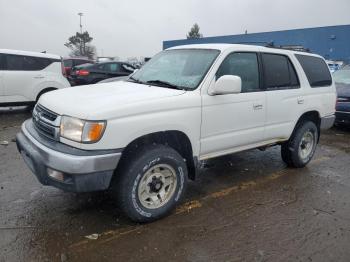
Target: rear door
(21,75)
(284,97)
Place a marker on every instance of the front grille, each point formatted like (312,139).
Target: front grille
(46,122)
(46,113)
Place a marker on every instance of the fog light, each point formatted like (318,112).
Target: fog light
(55,174)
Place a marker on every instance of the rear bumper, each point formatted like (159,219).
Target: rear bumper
(327,122)
(77,81)
(342,117)
(82,171)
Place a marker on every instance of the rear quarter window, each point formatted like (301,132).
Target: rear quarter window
(316,70)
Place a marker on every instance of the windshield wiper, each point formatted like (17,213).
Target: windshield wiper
(165,84)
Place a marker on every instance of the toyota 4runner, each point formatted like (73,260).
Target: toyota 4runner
(143,137)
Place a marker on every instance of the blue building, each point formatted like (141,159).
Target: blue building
(331,42)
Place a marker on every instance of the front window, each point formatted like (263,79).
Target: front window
(246,66)
(179,68)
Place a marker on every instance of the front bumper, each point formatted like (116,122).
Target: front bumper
(82,170)
(327,122)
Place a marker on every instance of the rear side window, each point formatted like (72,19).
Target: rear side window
(244,65)
(279,73)
(27,63)
(316,70)
(113,67)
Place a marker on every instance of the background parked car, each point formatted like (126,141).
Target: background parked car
(342,82)
(71,62)
(334,65)
(90,74)
(25,76)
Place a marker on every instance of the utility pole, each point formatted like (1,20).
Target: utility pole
(82,45)
(81,26)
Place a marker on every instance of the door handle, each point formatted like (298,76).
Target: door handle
(257,107)
(301,101)
(39,77)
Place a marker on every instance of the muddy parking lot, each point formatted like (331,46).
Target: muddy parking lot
(243,207)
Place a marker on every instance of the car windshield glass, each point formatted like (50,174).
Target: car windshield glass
(182,68)
(342,76)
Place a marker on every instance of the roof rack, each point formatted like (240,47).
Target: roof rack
(299,48)
(271,44)
(263,43)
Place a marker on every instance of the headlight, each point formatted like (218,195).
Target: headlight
(81,130)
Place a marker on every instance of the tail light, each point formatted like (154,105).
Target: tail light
(82,72)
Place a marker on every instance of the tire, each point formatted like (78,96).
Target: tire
(300,148)
(141,183)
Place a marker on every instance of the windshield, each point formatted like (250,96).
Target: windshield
(179,68)
(342,76)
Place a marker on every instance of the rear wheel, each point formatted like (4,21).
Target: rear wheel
(300,148)
(150,183)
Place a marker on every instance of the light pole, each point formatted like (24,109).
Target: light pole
(81,27)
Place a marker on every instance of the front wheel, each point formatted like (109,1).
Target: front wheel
(150,183)
(300,148)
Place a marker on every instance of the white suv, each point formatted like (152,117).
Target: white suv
(142,138)
(25,76)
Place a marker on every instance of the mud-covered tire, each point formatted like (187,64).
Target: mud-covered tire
(131,175)
(294,152)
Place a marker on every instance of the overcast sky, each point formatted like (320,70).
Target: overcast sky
(128,28)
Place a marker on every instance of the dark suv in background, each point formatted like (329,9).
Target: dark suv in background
(92,74)
(342,82)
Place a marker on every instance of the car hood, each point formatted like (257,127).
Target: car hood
(343,90)
(91,101)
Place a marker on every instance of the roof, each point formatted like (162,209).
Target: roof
(28,53)
(232,47)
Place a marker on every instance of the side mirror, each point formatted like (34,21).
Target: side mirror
(227,84)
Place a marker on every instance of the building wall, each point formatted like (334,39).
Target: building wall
(332,42)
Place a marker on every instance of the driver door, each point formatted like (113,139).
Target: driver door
(233,122)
